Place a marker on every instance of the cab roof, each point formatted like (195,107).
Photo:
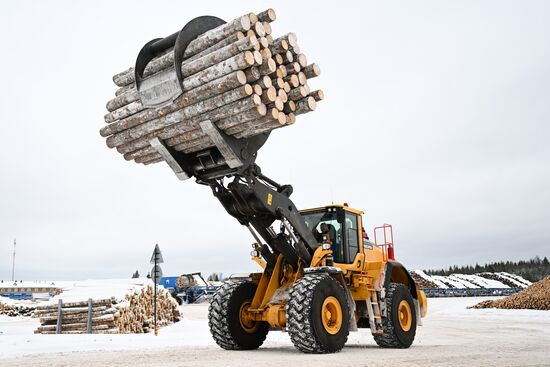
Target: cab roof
(341,206)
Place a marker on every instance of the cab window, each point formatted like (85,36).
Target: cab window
(352,236)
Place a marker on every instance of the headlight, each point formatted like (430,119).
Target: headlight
(326,246)
(254,253)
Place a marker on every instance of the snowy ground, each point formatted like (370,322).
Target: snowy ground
(451,336)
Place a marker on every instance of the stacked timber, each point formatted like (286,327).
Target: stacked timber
(534,297)
(95,316)
(108,316)
(15,310)
(136,313)
(238,75)
(422,283)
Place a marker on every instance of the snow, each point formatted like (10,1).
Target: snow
(482,282)
(472,280)
(515,279)
(452,335)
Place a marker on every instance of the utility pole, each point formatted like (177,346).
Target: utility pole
(13,263)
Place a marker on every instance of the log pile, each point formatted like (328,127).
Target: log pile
(238,75)
(422,283)
(534,297)
(107,316)
(15,310)
(136,313)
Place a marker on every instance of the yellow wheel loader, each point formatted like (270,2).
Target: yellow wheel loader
(321,278)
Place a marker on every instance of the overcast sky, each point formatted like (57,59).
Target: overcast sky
(436,120)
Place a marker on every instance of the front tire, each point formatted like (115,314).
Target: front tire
(227,317)
(317,314)
(400,323)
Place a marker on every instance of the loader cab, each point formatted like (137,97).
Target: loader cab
(343,229)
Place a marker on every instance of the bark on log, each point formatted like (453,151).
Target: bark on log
(268,15)
(305,105)
(312,71)
(293,67)
(279,45)
(269,95)
(202,42)
(252,74)
(268,67)
(297,93)
(318,95)
(290,106)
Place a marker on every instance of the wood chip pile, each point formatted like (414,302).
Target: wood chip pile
(133,315)
(534,297)
(239,76)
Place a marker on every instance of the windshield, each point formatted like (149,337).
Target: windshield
(325,223)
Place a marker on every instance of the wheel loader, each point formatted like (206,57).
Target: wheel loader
(321,277)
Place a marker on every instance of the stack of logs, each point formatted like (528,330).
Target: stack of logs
(13,310)
(422,283)
(236,75)
(534,297)
(137,314)
(73,317)
(133,315)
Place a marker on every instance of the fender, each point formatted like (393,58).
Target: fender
(396,272)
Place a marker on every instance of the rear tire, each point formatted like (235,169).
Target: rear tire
(400,323)
(317,314)
(224,317)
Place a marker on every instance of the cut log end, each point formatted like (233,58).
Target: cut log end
(268,15)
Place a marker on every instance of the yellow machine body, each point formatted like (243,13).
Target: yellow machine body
(363,277)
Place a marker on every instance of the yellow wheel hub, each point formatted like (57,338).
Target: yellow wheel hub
(331,315)
(247,323)
(405,315)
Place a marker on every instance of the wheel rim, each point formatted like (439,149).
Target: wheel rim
(247,323)
(331,314)
(405,315)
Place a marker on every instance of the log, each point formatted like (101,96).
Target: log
(292,80)
(252,74)
(202,42)
(287,57)
(76,316)
(290,107)
(300,59)
(70,312)
(269,95)
(282,95)
(318,95)
(268,15)
(312,71)
(267,28)
(265,82)
(279,45)
(293,67)
(81,320)
(268,66)
(305,105)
